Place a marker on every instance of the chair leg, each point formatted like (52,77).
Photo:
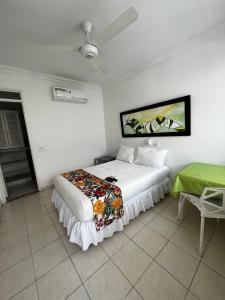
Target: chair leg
(180,208)
(202,230)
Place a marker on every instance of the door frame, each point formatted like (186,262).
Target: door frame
(26,126)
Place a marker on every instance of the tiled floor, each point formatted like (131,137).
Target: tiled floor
(155,257)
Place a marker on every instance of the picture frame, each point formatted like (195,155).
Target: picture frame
(167,118)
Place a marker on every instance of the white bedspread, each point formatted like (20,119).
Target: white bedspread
(132,180)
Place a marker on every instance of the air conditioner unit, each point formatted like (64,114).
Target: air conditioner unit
(69,95)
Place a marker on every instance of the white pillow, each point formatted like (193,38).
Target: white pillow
(150,156)
(126,153)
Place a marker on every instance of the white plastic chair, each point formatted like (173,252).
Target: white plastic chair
(211,204)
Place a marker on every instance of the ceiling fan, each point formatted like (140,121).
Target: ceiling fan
(91,48)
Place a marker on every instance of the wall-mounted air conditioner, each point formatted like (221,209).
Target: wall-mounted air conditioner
(69,95)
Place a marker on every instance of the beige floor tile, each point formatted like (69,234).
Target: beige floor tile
(87,262)
(60,229)
(39,224)
(158,284)
(9,213)
(70,247)
(178,263)
(29,293)
(163,226)
(46,193)
(188,241)
(11,224)
(50,207)
(107,283)
(190,296)
(133,295)
(55,217)
(59,282)
(13,236)
(79,294)
(170,213)
(132,228)
(47,199)
(162,204)
(150,241)
(132,261)
(14,254)
(43,238)
(112,244)
(16,278)
(192,223)
(35,213)
(48,257)
(146,216)
(214,257)
(208,285)
(218,236)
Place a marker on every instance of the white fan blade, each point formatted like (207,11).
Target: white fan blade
(55,47)
(124,20)
(100,65)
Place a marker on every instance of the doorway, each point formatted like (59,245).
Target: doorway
(15,156)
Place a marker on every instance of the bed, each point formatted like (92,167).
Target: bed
(141,187)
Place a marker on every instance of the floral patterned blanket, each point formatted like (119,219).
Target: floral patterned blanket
(106,198)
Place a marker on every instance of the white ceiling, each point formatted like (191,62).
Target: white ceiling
(162,27)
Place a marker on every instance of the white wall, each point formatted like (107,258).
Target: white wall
(72,135)
(198,71)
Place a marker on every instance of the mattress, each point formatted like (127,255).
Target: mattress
(132,180)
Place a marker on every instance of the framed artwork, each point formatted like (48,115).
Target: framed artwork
(168,118)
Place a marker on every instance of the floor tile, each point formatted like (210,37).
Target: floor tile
(43,238)
(59,282)
(46,193)
(107,283)
(163,226)
(162,204)
(87,262)
(218,236)
(60,229)
(192,223)
(214,257)
(35,213)
(39,224)
(11,224)
(112,244)
(55,217)
(170,213)
(50,207)
(9,213)
(178,263)
(207,284)
(146,216)
(190,296)
(132,228)
(150,241)
(48,257)
(188,241)
(16,278)
(158,284)
(79,294)
(132,261)
(14,254)
(13,236)
(70,247)
(29,293)
(133,295)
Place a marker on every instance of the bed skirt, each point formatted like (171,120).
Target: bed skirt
(83,233)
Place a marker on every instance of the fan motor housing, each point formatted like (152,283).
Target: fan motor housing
(89,50)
